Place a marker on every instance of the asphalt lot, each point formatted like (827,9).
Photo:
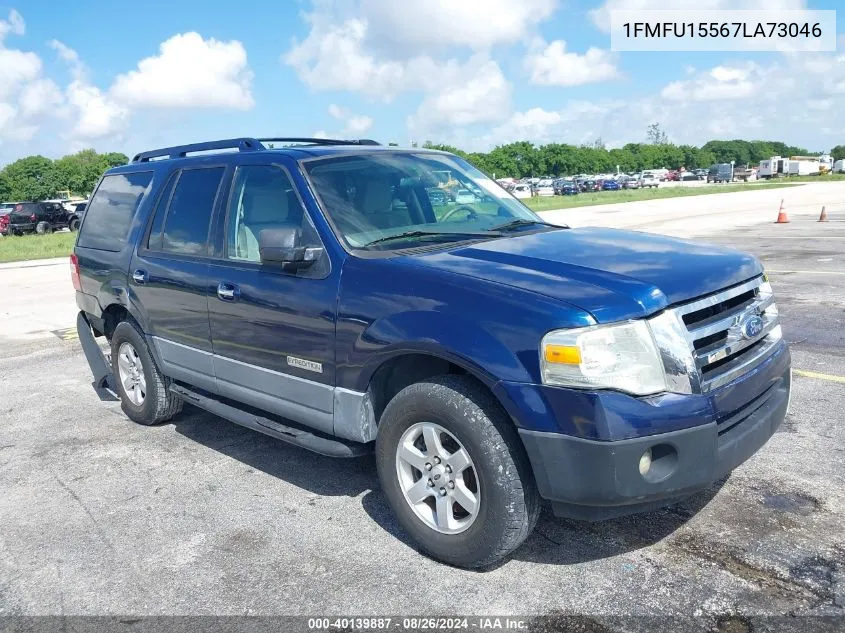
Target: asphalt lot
(199,516)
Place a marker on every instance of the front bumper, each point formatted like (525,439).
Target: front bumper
(598,477)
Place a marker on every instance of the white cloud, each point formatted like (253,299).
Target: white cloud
(601,15)
(722,83)
(430,25)
(189,72)
(354,124)
(471,93)
(551,65)
(39,99)
(14,25)
(98,116)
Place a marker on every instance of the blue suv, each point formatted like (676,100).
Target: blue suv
(335,295)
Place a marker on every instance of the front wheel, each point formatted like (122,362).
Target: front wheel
(455,473)
(73,225)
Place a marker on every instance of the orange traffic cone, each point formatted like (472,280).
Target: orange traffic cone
(823,216)
(782,217)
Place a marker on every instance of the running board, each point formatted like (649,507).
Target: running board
(331,447)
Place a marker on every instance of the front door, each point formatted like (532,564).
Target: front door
(272,330)
(170,274)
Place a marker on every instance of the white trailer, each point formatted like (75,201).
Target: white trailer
(839,167)
(804,167)
(773,167)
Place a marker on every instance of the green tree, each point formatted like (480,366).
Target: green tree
(31,178)
(838,152)
(656,135)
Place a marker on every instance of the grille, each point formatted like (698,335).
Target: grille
(731,331)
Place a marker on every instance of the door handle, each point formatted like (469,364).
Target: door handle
(228,292)
(140,276)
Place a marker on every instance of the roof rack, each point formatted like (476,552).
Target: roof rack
(241,144)
(320,141)
(180,151)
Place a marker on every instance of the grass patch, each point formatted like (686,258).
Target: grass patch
(26,247)
(632,195)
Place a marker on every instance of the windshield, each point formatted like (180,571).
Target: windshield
(411,197)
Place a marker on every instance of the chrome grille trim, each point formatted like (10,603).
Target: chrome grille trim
(688,360)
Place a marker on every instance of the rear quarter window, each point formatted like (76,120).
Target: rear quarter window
(109,213)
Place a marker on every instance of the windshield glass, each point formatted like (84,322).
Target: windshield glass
(430,197)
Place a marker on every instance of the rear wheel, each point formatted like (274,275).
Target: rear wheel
(455,473)
(42,228)
(143,390)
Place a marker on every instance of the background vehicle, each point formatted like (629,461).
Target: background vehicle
(610,185)
(590,185)
(804,166)
(437,196)
(689,176)
(839,167)
(544,188)
(41,217)
(521,191)
(4,221)
(489,359)
(566,188)
(672,176)
(773,167)
(722,172)
(649,180)
(465,196)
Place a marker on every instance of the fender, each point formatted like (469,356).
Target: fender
(449,336)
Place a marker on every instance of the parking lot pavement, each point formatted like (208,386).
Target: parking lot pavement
(199,516)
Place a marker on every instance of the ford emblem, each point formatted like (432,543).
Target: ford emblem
(751,326)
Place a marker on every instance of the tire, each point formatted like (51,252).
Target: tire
(73,225)
(499,476)
(156,404)
(42,228)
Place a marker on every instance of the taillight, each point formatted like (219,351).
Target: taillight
(32,217)
(74,272)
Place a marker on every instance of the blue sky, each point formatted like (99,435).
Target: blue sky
(474,73)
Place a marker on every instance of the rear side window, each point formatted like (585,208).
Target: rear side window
(110,212)
(189,213)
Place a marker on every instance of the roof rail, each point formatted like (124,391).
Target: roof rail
(320,141)
(180,151)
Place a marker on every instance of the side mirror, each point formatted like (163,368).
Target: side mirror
(284,246)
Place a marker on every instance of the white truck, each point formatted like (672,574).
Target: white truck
(803,166)
(773,167)
(839,167)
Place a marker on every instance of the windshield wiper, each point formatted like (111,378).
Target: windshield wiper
(410,234)
(519,222)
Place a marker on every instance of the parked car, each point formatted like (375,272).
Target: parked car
(465,196)
(722,172)
(610,185)
(649,180)
(488,359)
(4,221)
(544,188)
(630,182)
(437,196)
(701,173)
(590,185)
(566,188)
(672,176)
(688,176)
(521,191)
(41,217)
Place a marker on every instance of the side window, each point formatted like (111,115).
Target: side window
(154,240)
(189,213)
(263,197)
(110,212)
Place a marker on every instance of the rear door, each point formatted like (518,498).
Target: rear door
(169,275)
(273,330)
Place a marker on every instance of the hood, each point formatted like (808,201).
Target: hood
(612,274)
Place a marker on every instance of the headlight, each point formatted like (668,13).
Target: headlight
(623,357)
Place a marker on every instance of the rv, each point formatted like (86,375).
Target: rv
(773,167)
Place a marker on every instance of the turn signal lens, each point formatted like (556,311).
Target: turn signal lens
(566,354)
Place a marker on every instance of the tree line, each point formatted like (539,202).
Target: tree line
(39,178)
(521,159)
